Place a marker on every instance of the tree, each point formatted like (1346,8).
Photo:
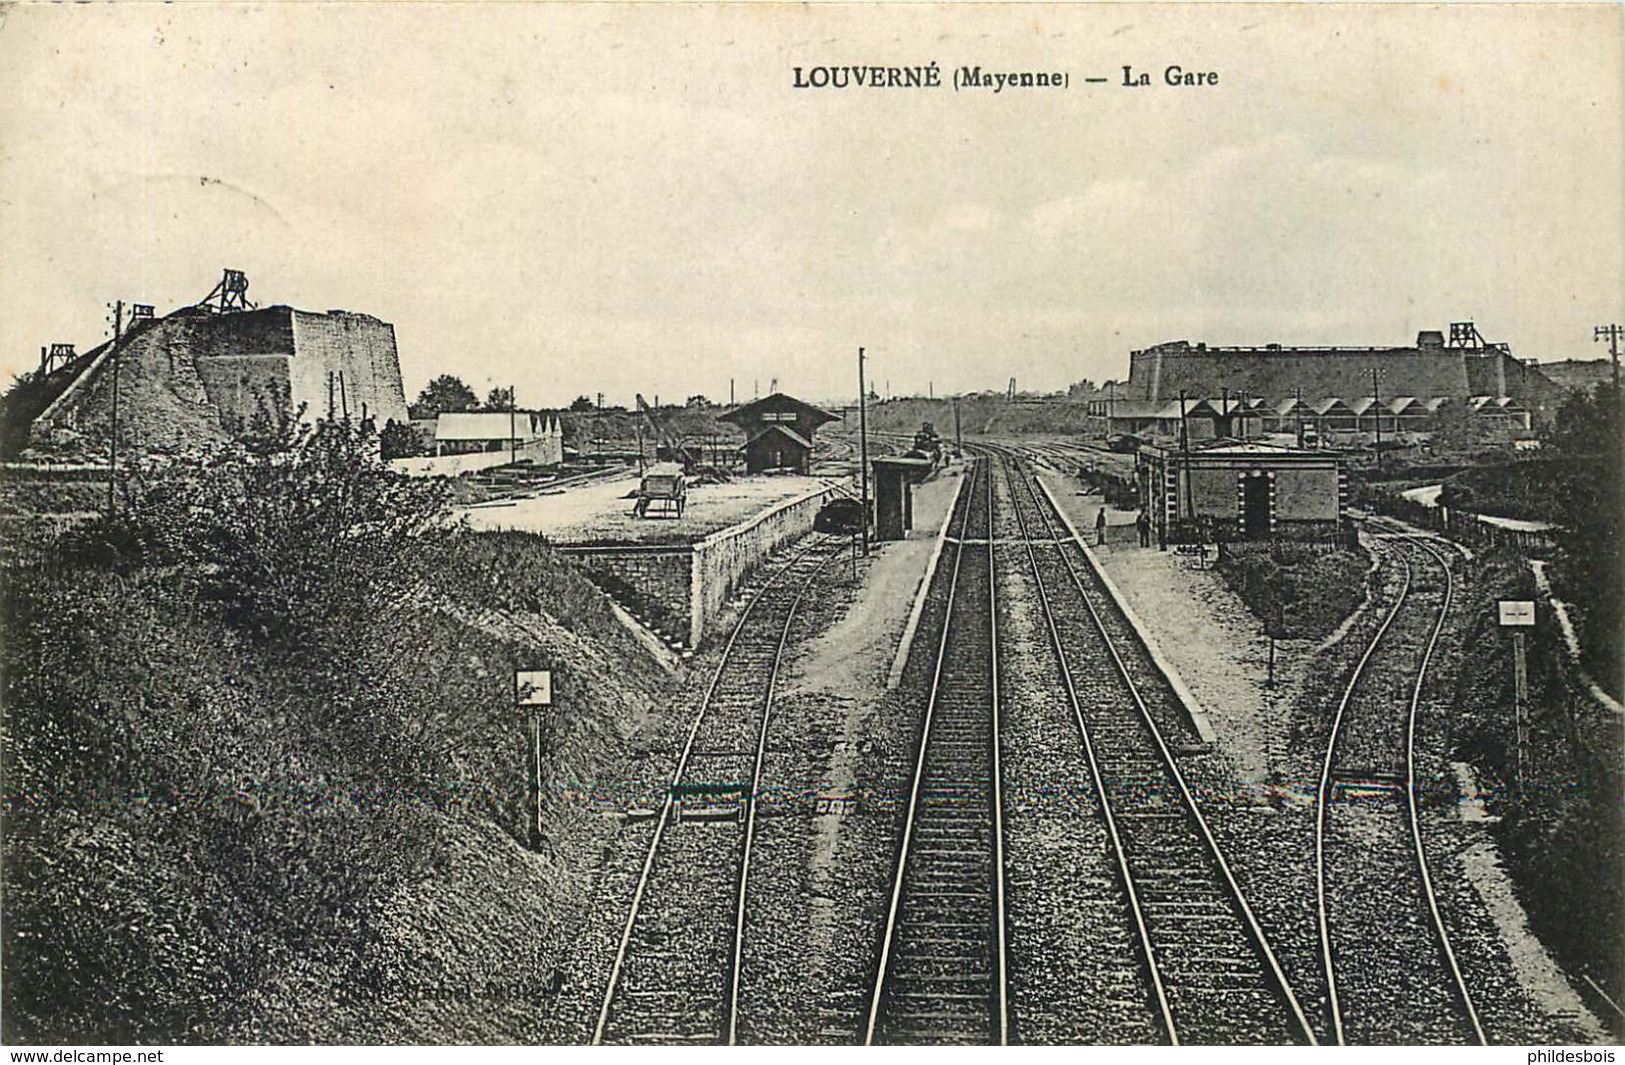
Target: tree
(583,405)
(445,394)
(697,402)
(399,441)
(499,399)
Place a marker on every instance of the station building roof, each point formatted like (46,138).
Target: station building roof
(784,430)
(752,413)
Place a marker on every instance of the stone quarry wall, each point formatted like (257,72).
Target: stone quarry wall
(358,351)
(194,377)
(163,402)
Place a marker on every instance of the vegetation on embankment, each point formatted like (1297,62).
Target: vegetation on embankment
(264,777)
(1297,590)
(1563,838)
(1577,485)
(983,414)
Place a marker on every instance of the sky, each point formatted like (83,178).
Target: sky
(576,199)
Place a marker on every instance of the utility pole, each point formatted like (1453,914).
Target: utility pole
(863,451)
(112,454)
(1185,453)
(1376,412)
(1297,409)
(1612,334)
(730,391)
(513,434)
(959,438)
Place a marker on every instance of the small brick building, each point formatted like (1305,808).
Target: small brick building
(778,432)
(1234,490)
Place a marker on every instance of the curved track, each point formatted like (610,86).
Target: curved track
(1391,973)
(677,968)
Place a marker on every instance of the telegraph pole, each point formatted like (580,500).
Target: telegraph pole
(1376,411)
(863,451)
(1612,334)
(112,455)
(1185,453)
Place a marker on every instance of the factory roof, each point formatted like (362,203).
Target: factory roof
(489,425)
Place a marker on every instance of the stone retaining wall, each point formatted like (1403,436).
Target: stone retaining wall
(652,582)
(721,560)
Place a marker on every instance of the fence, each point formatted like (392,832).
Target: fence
(1528,539)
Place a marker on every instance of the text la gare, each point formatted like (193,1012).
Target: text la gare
(1174,75)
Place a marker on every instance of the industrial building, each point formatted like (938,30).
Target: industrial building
(529,435)
(1340,389)
(778,432)
(1226,490)
(209,373)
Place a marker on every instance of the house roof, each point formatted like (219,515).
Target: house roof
(752,412)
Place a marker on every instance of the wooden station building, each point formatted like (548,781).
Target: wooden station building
(1235,490)
(778,432)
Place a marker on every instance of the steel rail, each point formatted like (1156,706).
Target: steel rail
(1323,800)
(1001,928)
(1460,989)
(734,972)
(1255,930)
(1410,796)
(888,940)
(676,779)
(1164,1008)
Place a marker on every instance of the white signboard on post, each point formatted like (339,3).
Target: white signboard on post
(1517,612)
(533,687)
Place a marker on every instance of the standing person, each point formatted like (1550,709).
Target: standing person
(1143,524)
(1100,527)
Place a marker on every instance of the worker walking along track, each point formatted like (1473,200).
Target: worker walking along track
(676,975)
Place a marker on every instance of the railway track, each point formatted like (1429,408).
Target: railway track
(1206,972)
(1391,972)
(677,969)
(1211,973)
(942,972)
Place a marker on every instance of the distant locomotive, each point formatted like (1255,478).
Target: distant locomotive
(927,444)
